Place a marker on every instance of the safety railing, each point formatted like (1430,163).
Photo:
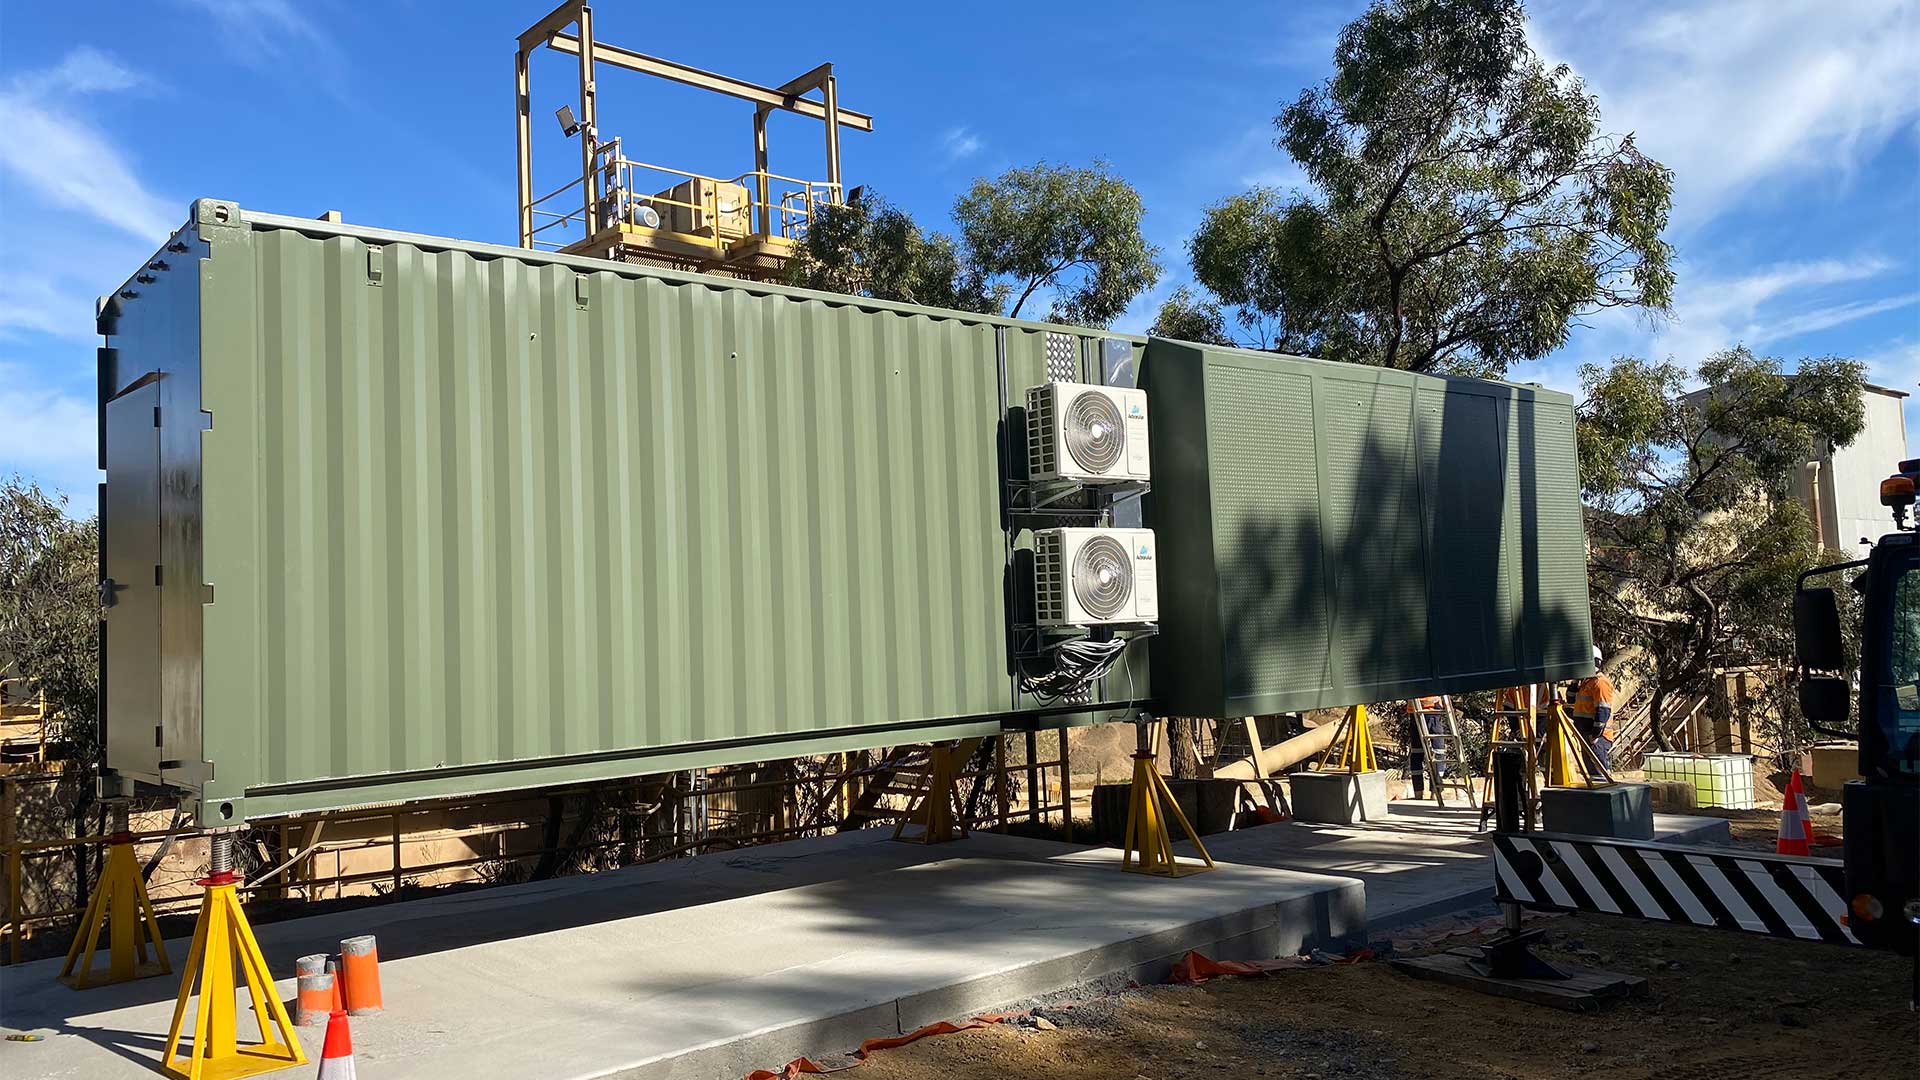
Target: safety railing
(716,210)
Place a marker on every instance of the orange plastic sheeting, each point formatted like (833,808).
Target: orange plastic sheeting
(803,1066)
(1197,967)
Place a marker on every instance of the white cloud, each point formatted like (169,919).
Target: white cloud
(960,143)
(97,216)
(1732,93)
(261,31)
(85,70)
(1831,315)
(49,435)
(59,156)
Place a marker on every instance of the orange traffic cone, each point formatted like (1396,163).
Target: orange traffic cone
(336,1057)
(1796,828)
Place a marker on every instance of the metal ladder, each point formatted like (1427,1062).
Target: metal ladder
(1446,758)
(1515,725)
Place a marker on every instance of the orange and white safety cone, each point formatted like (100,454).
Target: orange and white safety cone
(360,975)
(1796,828)
(336,1057)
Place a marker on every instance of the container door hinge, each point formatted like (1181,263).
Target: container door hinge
(156,416)
(376,264)
(582,291)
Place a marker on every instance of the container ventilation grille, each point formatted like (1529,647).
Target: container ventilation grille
(1049,578)
(1041,459)
(1060,365)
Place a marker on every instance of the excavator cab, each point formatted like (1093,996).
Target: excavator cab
(1881,809)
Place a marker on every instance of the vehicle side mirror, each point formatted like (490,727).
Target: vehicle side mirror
(1823,701)
(1816,631)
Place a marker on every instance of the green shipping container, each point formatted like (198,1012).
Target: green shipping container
(391,517)
(1332,534)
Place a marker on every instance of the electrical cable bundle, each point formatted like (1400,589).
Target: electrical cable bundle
(1077,664)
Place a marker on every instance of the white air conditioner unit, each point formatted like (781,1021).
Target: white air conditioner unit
(1093,434)
(1088,577)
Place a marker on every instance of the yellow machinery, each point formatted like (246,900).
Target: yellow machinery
(635,211)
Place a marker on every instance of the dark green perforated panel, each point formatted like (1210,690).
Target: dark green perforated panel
(1332,534)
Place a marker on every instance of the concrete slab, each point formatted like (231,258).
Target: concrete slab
(1423,860)
(711,967)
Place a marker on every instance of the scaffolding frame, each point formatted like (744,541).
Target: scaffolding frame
(569,29)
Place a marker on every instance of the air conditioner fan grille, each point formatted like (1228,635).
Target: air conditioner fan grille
(1094,434)
(1102,577)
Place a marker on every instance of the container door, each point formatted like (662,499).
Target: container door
(130,561)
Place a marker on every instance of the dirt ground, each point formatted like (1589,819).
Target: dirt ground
(1722,1006)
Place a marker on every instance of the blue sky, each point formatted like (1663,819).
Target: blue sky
(1793,127)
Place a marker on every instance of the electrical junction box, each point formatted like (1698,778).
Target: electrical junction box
(1092,434)
(1093,577)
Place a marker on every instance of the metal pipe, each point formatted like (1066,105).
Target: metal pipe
(1509,793)
(589,123)
(832,96)
(764,216)
(523,143)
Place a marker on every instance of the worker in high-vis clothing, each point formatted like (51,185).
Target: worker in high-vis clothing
(1592,710)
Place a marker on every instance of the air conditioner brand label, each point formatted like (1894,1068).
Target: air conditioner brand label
(1136,421)
(1146,590)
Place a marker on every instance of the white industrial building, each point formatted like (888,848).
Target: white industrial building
(1841,488)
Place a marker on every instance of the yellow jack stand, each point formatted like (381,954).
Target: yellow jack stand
(1352,748)
(937,813)
(1149,804)
(1571,762)
(120,901)
(222,939)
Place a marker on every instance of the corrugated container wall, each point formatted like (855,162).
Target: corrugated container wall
(1332,534)
(476,520)
(391,517)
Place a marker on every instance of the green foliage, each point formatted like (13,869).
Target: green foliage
(1467,208)
(1068,232)
(1696,543)
(1074,231)
(869,247)
(1188,317)
(50,607)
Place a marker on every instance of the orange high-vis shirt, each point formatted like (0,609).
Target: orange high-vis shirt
(1593,693)
(1513,699)
(1430,703)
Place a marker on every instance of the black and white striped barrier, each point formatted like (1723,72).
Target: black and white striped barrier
(1782,895)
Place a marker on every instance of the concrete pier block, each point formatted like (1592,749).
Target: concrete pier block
(1620,811)
(1338,798)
